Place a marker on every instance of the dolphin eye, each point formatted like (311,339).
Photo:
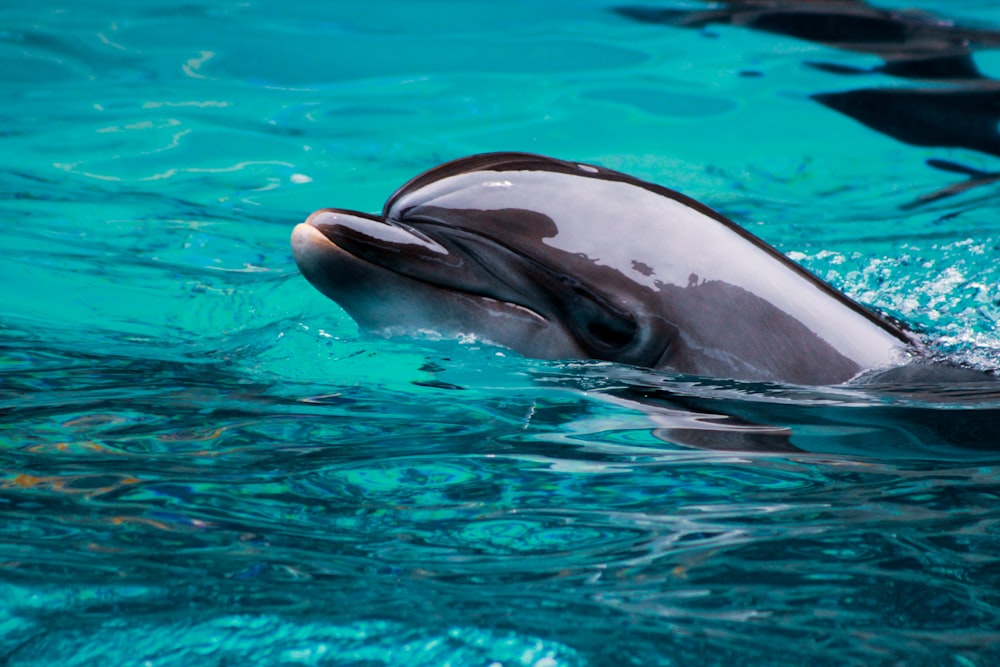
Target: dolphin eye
(612,333)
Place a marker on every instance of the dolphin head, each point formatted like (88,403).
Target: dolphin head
(466,248)
(556,259)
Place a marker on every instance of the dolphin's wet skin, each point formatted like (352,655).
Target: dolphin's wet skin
(561,260)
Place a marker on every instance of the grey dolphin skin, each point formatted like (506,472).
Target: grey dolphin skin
(557,259)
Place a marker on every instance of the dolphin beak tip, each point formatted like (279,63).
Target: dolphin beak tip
(306,239)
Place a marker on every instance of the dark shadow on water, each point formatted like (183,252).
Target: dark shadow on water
(955,106)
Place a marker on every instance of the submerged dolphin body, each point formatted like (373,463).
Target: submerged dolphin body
(563,260)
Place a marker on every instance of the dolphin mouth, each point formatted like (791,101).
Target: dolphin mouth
(339,251)
(374,239)
(337,235)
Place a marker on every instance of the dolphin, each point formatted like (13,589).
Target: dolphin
(561,260)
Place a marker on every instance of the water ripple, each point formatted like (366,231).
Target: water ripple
(204,461)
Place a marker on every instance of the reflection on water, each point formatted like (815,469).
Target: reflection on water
(541,511)
(911,45)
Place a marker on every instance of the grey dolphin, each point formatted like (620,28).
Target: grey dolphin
(557,259)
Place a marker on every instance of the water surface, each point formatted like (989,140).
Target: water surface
(204,462)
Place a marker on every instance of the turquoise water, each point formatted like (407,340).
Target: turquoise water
(204,462)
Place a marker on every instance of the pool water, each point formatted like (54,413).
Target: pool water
(205,462)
